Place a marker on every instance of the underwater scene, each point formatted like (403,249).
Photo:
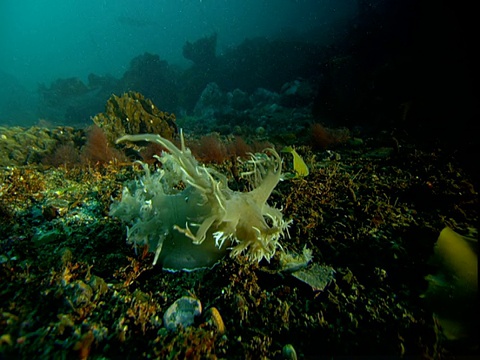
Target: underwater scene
(238,179)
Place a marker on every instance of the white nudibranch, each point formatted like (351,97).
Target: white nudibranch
(194,227)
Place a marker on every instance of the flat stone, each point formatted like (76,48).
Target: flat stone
(316,276)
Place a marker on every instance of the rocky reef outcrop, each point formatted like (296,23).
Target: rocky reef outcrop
(132,114)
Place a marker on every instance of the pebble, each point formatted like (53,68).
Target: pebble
(182,313)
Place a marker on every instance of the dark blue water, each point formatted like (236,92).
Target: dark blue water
(405,63)
(44,40)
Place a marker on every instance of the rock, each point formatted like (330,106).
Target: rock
(239,100)
(182,313)
(297,93)
(262,97)
(132,114)
(211,100)
(202,51)
(23,146)
(318,277)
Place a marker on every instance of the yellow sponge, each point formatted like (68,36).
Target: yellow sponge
(452,292)
(455,253)
(299,166)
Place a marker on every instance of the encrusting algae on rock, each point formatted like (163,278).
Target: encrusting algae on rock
(192,227)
